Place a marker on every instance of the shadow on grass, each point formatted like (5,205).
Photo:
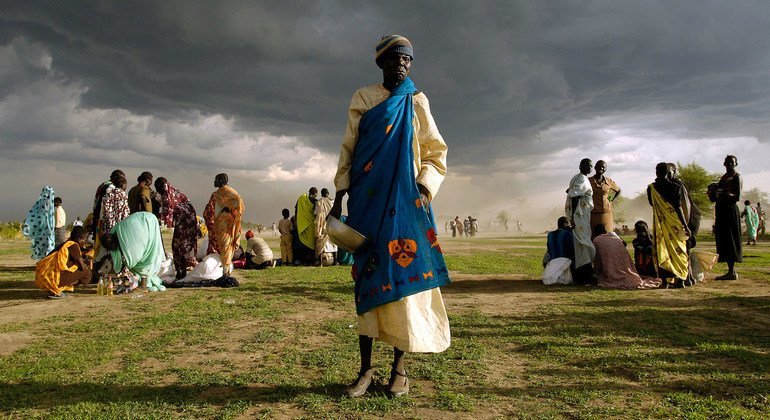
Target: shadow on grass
(15,269)
(48,395)
(508,286)
(714,344)
(319,292)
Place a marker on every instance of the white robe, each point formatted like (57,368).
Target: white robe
(580,187)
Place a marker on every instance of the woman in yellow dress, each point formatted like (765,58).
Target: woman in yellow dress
(64,267)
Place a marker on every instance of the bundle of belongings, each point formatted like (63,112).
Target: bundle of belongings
(209,273)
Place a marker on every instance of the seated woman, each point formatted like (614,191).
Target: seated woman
(559,258)
(613,263)
(135,241)
(64,267)
(643,248)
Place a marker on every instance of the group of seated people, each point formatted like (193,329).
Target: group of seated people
(612,264)
(134,250)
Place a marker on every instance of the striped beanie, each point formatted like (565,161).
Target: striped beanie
(395,43)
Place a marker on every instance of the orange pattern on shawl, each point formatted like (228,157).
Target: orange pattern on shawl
(224,228)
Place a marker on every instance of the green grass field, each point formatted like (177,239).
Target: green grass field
(284,344)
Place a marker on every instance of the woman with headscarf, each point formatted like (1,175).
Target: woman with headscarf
(223,219)
(669,229)
(391,165)
(613,264)
(40,224)
(64,266)
(177,212)
(727,221)
(114,207)
(98,196)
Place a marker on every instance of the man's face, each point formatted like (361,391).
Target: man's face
(600,168)
(585,167)
(395,66)
(730,163)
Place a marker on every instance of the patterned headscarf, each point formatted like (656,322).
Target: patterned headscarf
(169,200)
(395,43)
(39,225)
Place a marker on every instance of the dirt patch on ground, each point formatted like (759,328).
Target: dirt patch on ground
(12,341)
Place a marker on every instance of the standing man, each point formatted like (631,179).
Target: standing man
(579,204)
(60,224)
(322,208)
(140,195)
(223,219)
(392,163)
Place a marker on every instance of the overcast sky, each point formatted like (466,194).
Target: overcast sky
(520,90)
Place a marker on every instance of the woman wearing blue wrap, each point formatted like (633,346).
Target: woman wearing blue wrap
(392,162)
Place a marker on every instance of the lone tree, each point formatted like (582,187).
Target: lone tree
(697,180)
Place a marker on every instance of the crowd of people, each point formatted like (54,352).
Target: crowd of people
(586,249)
(303,236)
(391,165)
(468,227)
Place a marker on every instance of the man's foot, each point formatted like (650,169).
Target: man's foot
(679,284)
(398,384)
(728,276)
(360,385)
(665,284)
(688,283)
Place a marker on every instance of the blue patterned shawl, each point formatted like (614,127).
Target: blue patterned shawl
(384,205)
(40,223)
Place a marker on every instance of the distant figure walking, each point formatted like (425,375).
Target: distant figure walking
(751,218)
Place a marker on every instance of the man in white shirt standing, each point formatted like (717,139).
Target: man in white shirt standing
(60,225)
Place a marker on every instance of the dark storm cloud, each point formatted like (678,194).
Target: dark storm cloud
(497,73)
(521,90)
